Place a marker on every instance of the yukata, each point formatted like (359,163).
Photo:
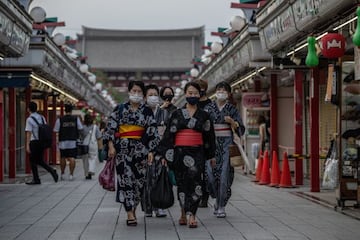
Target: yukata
(134,135)
(187,143)
(221,177)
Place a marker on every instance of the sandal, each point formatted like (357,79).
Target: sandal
(182,221)
(193,224)
(131,222)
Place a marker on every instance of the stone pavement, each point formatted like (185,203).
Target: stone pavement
(81,209)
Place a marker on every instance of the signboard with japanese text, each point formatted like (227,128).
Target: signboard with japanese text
(252,100)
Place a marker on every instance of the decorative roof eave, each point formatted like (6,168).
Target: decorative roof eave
(14,9)
(115,33)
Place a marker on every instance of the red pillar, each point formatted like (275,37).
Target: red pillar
(298,125)
(12,133)
(61,108)
(314,131)
(273,114)
(53,118)
(46,115)
(27,101)
(1,136)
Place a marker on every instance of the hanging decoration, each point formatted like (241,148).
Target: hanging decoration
(332,45)
(356,37)
(312,60)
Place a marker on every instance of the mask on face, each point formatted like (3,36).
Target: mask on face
(202,93)
(221,96)
(192,100)
(135,98)
(152,101)
(168,97)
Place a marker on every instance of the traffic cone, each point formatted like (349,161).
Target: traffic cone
(265,173)
(259,168)
(275,171)
(285,181)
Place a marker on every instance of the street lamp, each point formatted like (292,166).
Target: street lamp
(216,47)
(194,72)
(84,68)
(38,14)
(59,39)
(237,23)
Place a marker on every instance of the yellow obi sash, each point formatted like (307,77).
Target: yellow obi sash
(130,131)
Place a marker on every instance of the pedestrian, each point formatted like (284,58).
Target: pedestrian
(92,135)
(189,141)
(263,133)
(152,101)
(34,147)
(167,95)
(68,129)
(131,135)
(203,101)
(227,121)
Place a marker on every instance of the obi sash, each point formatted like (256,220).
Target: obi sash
(130,131)
(222,130)
(188,137)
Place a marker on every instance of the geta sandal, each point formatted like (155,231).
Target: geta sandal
(182,221)
(131,222)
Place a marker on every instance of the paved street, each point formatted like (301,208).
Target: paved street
(83,210)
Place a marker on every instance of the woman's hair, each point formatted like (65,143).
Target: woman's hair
(136,83)
(194,84)
(261,119)
(224,85)
(88,119)
(163,90)
(202,83)
(151,86)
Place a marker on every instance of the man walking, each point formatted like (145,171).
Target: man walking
(68,128)
(34,147)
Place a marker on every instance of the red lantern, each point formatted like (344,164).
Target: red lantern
(81,104)
(332,45)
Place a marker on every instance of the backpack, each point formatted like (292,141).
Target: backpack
(45,133)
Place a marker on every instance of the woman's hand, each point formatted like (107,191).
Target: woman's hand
(232,122)
(150,158)
(111,151)
(163,162)
(212,162)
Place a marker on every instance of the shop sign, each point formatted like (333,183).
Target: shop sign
(6,26)
(251,100)
(332,45)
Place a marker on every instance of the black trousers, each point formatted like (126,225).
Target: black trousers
(37,158)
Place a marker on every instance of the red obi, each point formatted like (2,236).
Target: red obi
(188,137)
(130,131)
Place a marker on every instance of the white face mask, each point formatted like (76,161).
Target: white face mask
(221,96)
(152,101)
(135,98)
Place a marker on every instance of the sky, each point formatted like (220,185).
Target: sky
(139,14)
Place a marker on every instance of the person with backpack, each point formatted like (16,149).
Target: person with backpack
(34,146)
(68,128)
(92,135)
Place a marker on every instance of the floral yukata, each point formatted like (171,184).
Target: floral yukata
(187,159)
(132,147)
(221,177)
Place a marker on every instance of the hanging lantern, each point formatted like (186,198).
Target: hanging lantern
(312,60)
(237,23)
(84,68)
(356,37)
(332,45)
(216,47)
(59,39)
(38,14)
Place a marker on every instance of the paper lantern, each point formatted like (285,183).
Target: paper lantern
(98,86)
(332,45)
(92,78)
(237,23)
(38,14)
(84,68)
(59,39)
(194,72)
(216,47)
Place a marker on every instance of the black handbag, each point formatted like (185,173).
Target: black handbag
(82,149)
(162,195)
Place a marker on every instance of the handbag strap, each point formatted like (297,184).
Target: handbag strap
(91,134)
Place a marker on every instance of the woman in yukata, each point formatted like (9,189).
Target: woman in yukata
(227,121)
(188,141)
(131,135)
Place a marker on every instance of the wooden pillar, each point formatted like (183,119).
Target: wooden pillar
(273,114)
(314,131)
(298,126)
(27,114)
(12,133)
(53,118)
(1,136)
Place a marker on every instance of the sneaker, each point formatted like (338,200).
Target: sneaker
(33,182)
(71,177)
(221,213)
(161,213)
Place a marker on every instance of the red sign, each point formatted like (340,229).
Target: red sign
(332,45)
(251,100)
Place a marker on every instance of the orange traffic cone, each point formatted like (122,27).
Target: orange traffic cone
(285,180)
(265,173)
(259,167)
(275,171)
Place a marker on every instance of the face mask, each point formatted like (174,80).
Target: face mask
(192,100)
(202,93)
(168,97)
(152,101)
(221,96)
(135,98)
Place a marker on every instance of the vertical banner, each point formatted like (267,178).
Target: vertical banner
(329,87)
